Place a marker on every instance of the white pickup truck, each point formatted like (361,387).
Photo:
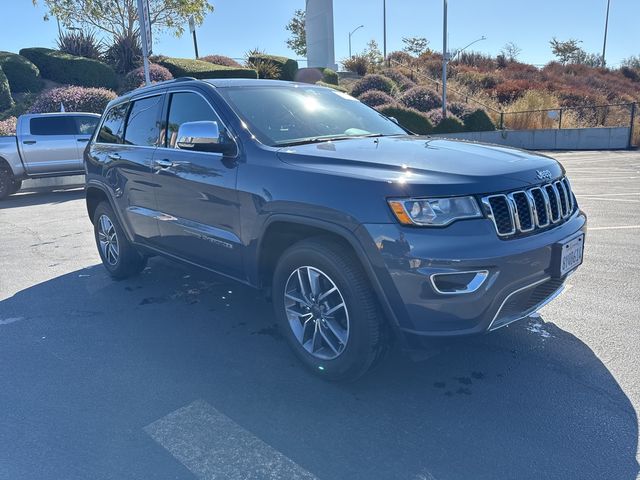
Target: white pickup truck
(45,145)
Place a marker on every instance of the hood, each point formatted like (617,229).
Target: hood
(425,164)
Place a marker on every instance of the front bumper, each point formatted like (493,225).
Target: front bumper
(521,274)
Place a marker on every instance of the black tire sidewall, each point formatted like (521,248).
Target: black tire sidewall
(6,182)
(129,260)
(355,359)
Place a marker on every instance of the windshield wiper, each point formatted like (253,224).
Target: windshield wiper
(306,141)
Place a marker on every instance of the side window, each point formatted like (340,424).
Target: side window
(113,125)
(144,122)
(86,125)
(53,125)
(187,107)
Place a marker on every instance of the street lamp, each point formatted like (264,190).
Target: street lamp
(458,52)
(445,59)
(351,33)
(606,27)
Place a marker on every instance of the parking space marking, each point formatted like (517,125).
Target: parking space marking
(212,446)
(619,227)
(608,194)
(605,199)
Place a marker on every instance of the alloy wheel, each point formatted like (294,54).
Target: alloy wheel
(317,312)
(108,239)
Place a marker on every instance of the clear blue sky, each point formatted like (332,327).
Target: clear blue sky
(239,25)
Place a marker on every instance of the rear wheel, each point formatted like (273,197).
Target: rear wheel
(6,182)
(119,256)
(327,311)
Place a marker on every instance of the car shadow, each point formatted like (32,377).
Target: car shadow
(39,196)
(94,361)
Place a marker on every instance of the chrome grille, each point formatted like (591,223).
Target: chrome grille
(525,211)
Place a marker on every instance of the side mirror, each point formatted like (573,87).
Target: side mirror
(203,136)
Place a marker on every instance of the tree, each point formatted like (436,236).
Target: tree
(511,51)
(632,62)
(415,45)
(119,18)
(566,51)
(298,39)
(373,54)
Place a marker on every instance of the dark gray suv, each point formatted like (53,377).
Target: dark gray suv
(362,232)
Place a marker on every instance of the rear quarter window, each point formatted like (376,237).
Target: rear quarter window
(54,125)
(112,127)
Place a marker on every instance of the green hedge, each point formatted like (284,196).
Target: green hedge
(478,121)
(329,76)
(64,68)
(6,100)
(409,118)
(185,67)
(288,67)
(449,125)
(23,75)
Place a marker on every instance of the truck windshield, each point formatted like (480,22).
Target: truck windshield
(292,115)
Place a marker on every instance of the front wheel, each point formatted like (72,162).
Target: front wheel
(16,185)
(119,256)
(325,307)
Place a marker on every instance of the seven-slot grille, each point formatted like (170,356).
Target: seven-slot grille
(524,211)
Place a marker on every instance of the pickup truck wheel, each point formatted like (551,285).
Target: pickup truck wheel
(6,182)
(120,258)
(16,185)
(325,307)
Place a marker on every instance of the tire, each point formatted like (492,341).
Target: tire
(359,341)
(16,185)
(119,256)
(6,182)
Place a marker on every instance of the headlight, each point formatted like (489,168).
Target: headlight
(436,212)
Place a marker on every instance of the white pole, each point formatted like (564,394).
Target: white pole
(445,59)
(143,36)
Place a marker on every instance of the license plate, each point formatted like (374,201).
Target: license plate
(571,256)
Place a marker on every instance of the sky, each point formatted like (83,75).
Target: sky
(237,26)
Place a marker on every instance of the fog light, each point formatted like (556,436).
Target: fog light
(455,283)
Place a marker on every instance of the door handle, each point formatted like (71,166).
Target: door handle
(29,142)
(83,139)
(164,164)
(114,156)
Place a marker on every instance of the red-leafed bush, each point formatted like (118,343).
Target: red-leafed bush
(135,78)
(400,57)
(422,99)
(375,98)
(220,60)
(74,99)
(510,90)
(373,82)
(403,82)
(8,126)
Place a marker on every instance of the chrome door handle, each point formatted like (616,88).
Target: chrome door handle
(83,139)
(28,142)
(164,164)
(114,156)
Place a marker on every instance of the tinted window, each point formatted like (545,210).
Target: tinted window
(86,125)
(113,125)
(187,107)
(281,115)
(54,125)
(143,123)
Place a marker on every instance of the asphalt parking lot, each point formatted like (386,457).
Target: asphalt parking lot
(180,374)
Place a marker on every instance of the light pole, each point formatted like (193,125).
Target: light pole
(606,27)
(458,52)
(384,30)
(445,59)
(351,33)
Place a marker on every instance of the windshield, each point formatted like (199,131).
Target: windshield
(281,116)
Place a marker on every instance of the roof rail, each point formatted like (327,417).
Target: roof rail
(184,79)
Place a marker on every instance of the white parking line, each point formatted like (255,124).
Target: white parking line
(624,200)
(212,446)
(621,227)
(607,194)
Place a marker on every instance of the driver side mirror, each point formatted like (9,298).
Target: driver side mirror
(204,136)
